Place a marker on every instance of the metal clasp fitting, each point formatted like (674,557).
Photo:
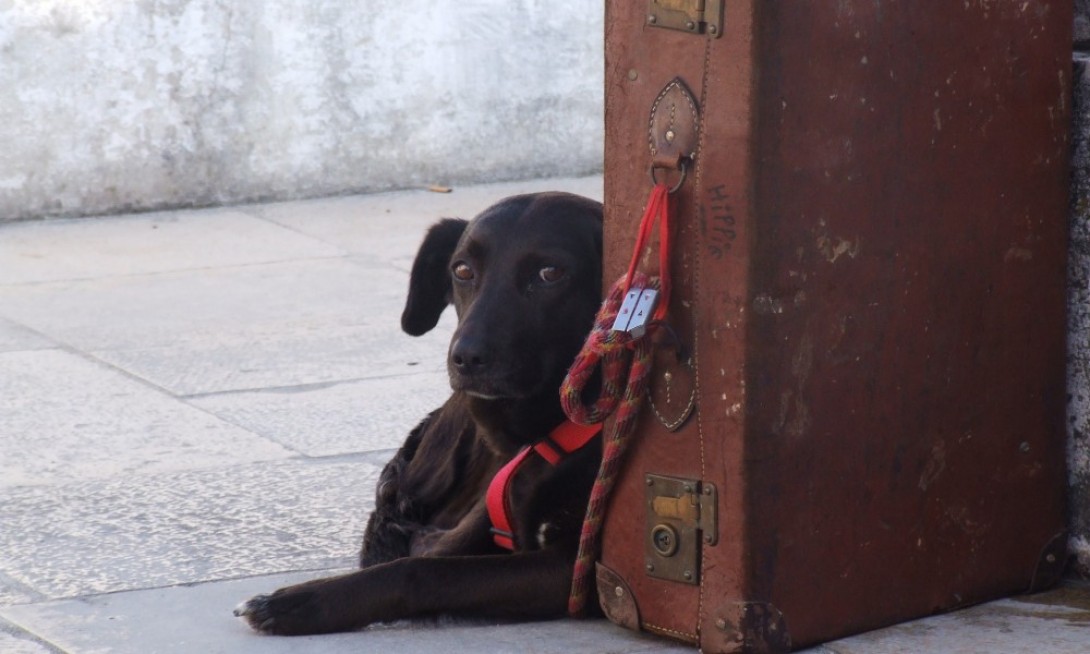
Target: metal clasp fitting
(680,180)
(636,311)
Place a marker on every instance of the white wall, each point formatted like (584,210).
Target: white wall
(110,105)
(1078,322)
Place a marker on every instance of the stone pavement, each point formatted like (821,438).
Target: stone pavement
(194,407)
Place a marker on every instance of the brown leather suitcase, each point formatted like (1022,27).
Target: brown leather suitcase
(869,289)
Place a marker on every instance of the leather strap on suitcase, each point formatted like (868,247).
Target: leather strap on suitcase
(863,421)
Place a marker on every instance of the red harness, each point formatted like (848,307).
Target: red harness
(563,440)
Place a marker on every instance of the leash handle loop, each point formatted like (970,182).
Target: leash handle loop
(608,348)
(658,207)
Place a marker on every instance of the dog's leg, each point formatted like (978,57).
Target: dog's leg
(389,528)
(388,531)
(527,585)
(471,536)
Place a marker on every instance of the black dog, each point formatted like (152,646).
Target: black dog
(525,280)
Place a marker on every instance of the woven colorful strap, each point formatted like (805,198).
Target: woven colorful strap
(626,365)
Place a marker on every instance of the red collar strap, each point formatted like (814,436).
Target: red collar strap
(562,441)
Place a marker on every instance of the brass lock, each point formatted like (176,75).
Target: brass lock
(664,540)
(681,516)
(694,16)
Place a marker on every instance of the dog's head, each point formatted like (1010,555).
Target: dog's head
(525,279)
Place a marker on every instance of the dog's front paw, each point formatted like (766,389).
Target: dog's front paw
(286,612)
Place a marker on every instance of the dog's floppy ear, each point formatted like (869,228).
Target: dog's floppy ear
(429,283)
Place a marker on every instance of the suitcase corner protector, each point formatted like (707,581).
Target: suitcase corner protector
(616,599)
(1051,564)
(746,627)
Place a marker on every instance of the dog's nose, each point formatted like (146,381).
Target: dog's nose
(469,357)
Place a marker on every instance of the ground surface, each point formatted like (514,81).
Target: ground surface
(194,407)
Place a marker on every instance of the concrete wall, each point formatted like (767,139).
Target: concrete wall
(1078,360)
(1082,23)
(114,105)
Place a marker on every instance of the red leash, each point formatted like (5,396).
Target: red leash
(658,205)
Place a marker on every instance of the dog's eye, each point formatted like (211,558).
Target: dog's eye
(550,274)
(462,271)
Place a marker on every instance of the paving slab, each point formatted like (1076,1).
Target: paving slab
(388,227)
(13,592)
(154,310)
(198,619)
(143,531)
(334,418)
(1055,622)
(17,641)
(46,251)
(239,328)
(15,337)
(249,358)
(67,418)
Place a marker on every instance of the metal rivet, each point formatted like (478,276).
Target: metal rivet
(688,574)
(650,567)
(1051,558)
(690,25)
(1024,447)
(652,19)
(670,135)
(688,488)
(720,623)
(618,591)
(708,539)
(707,490)
(712,29)
(633,74)
(650,482)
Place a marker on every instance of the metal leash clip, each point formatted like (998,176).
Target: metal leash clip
(636,311)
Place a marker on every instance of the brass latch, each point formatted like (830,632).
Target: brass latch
(694,16)
(681,514)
